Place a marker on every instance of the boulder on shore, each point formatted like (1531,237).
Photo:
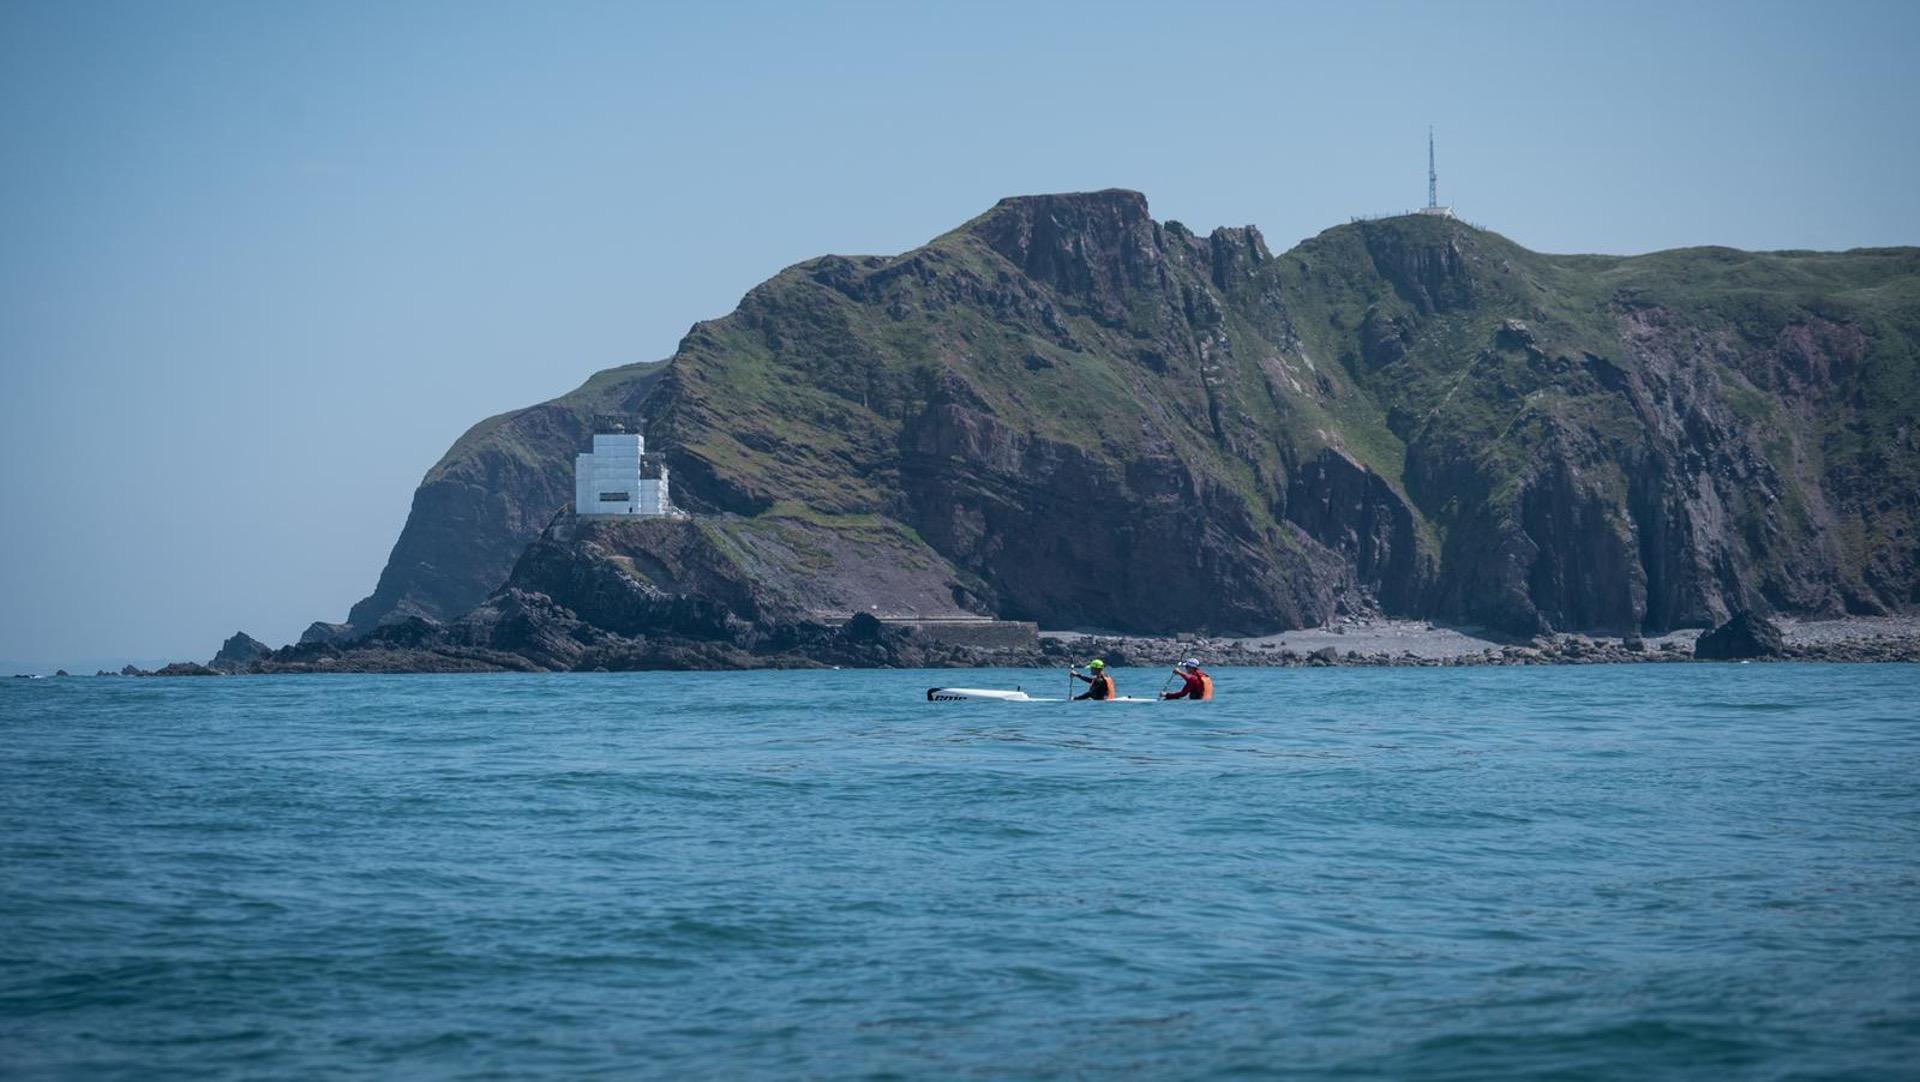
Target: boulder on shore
(1745,635)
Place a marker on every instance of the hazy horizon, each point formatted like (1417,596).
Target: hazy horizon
(265,263)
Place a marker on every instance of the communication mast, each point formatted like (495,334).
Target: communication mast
(1433,178)
(1433,184)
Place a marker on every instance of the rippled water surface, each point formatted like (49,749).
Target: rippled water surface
(1612,871)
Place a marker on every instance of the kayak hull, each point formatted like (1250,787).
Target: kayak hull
(1002,695)
(978,695)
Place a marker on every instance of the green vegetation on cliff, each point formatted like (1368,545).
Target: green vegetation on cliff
(1079,415)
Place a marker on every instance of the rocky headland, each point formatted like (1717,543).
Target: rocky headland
(1065,413)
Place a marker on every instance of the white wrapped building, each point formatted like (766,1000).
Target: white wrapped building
(618,477)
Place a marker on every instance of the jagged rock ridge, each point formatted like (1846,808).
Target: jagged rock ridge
(238,652)
(1085,417)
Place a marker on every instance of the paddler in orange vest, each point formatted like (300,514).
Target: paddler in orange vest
(1199,686)
(1099,685)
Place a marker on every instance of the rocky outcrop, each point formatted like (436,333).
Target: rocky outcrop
(1067,412)
(1746,635)
(680,594)
(239,652)
(183,668)
(322,632)
(488,497)
(623,594)
(1098,251)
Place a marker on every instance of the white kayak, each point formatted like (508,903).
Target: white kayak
(1000,695)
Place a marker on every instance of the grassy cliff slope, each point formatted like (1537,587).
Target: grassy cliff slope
(1083,416)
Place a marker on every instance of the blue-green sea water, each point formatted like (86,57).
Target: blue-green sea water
(1626,872)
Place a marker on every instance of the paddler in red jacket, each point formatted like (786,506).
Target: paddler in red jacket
(1199,686)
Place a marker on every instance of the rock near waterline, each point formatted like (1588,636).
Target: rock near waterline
(1747,635)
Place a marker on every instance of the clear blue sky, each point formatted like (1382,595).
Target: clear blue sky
(261,262)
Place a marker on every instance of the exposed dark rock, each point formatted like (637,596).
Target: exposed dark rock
(1359,514)
(406,632)
(320,632)
(1746,635)
(433,652)
(183,668)
(862,627)
(683,594)
(239,652)
(530,625)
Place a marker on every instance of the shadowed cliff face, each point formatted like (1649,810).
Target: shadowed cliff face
(1069,537)
(1085,417)
(491,495)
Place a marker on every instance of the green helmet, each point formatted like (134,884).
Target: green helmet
(1096,663)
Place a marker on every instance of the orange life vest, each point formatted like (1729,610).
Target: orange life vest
(1102,687)
(1206,686)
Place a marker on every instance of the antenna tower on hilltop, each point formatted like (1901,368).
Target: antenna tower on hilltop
(1433,178)
(1433,184)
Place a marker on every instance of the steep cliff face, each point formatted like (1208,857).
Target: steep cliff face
(489,496)
(1642,443)
(1068,412)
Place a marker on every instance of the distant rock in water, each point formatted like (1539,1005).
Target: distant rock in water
(239,652)
(1746,635)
